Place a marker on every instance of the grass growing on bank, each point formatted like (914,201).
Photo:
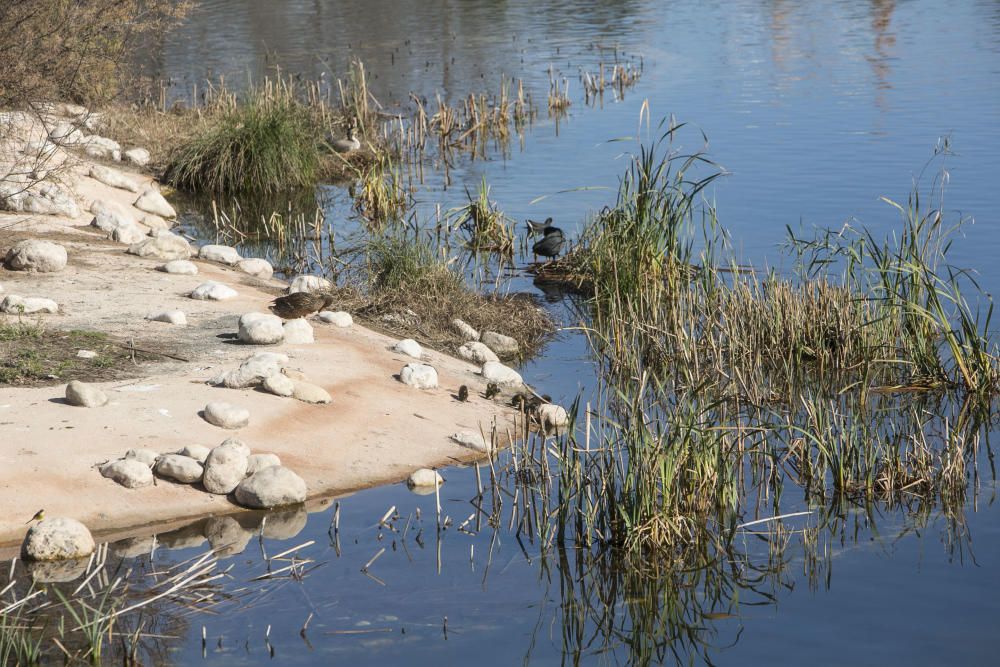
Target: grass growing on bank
(409,287)
(268,144)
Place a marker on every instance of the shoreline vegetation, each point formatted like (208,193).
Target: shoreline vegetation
(726,396)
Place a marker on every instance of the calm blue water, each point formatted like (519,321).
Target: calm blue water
(816,110)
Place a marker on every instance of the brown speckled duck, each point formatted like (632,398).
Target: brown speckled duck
(300,304)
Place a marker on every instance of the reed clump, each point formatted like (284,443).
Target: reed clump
(485,226)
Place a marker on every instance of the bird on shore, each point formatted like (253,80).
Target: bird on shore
(39,515)
(492,389)
(536,227)
(300,304)
(551,243)
(348,145)
(463,393)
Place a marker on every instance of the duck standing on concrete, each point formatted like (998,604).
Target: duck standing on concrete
(300,304)
(348,145)
(551,243)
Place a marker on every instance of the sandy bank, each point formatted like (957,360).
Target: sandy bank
(376,431)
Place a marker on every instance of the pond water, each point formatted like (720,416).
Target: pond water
(816,110)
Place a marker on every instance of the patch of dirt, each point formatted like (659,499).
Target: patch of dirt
(33,356)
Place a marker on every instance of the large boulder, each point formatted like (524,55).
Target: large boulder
(225,467)
(162,246)
(223,254)
(260,329)
(477,352)
(213,291)
(27,305)
(43,198)
(179,468)
(298,332)
(130,473)
(256,267)
(308,392)
(137,156)
(129,234)
(472,440)
(197,452)
(113,178)
(552,416)
(58,538)
(420,376)
(180,267)
(85,395)
(274,486)
(147,456)
(256,462)
(108,216)
(465,330)
(226,415)
(409,347)
(101,147)
(279,384)
(505,346)
(153,202)
(337,318)
(308,284)
(36,255)
(252,372)
(494,371)
(424,477)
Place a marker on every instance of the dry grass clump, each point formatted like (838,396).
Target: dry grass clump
(410,289)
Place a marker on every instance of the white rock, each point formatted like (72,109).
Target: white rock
(36,255)
(259,268)
(225,467)
(162,246)
(505,346)
(253,371)
(153,202)
(213,291)
(27,305)
(137,156)
(424,477)
(85,395)
(420,376)
(279,385)
(477,352)
(308,392)
(226,415)
(86,354)
(113,178)
(494,371)
(264,330)
(129,234)
(197,452)
(257,462)
(58,538)
(65,134)
(472,440)
(130,473)
(298,332)
(271,487)
(169,316)
(180,267)
(101,148)
(337,319)
(146,456)
(155,223)
(464,330)
(223,254)
(179,468)
(409,347)
(308,284)
(108,216)
(42,198)
(552,416)
(238,444)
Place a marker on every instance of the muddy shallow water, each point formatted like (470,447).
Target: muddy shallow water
(816,111)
